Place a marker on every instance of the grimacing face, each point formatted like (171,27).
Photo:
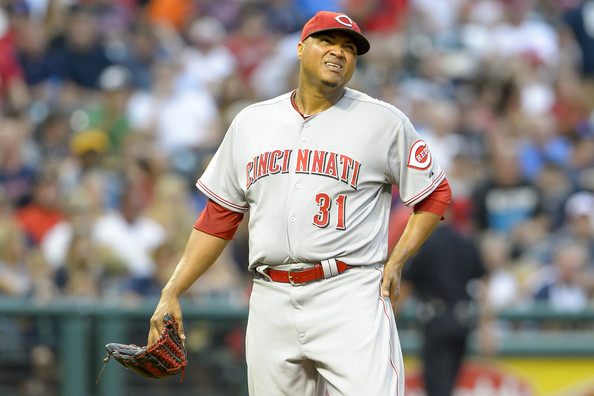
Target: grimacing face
(328,57)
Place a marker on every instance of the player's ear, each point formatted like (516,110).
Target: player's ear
(300,46)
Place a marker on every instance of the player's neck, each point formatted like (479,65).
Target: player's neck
(310,101)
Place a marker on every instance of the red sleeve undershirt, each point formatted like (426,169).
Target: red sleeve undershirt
(221,222)
(437,201)
(218,221)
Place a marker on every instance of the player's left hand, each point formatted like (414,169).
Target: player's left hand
(391,283)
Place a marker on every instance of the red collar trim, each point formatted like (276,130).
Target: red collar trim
(304,116)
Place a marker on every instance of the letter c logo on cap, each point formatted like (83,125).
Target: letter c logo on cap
(344,20)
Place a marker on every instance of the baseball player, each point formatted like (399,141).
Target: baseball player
(315,169)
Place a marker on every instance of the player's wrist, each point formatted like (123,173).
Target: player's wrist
(170,292)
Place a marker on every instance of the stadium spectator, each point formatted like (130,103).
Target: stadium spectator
(14,92)
(377,17)
(571,109)
(207,62)
(251,41)
(277,72)
(132,238)
(542,144)
(578,30)
(108,113)
(15,279)
(81,53)
(286,17)
(435,19)
(565,284)
(577,20)
(173,208)
(17,167)
(556,188)
(523,34)
(88,149)
(43,68)
(43,285)
(505,198)
(44,211)
(113,20)
(84,272)
(78,220)
(182,122)
(578,225)
(52,136)
(440,129)
(504,288)
(141,48)
(582,166)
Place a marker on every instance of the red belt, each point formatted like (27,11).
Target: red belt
(301,276)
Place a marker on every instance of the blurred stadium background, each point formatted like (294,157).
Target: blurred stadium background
(110,109)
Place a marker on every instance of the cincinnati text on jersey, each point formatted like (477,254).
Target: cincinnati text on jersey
(315,162)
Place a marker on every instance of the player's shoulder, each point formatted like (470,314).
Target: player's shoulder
(377,106)
(266,105)
(253,114)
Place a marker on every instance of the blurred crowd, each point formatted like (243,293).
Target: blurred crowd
(110,109)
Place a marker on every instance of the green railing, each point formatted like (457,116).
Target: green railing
(107,321)
(531,330)
(85,326)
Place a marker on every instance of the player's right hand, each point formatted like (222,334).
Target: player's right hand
(170,305)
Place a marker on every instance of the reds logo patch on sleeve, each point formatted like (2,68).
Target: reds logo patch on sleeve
(419,156)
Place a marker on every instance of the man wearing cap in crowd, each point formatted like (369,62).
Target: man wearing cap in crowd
(315,169)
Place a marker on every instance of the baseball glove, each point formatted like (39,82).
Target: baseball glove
(164,358)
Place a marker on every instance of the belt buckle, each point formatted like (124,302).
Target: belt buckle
(293,282)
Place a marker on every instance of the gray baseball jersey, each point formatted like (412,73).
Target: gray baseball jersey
(321,187)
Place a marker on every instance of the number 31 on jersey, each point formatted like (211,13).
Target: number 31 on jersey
(324,202)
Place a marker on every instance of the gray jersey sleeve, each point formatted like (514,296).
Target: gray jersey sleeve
(219,181)
(411,166)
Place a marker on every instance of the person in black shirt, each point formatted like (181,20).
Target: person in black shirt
(439,276)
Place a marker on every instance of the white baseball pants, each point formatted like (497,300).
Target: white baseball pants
(336,336)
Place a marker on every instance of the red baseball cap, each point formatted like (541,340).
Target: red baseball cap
(325,21)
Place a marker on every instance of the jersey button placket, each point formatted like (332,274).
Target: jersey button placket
(294,212)
(303,137)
